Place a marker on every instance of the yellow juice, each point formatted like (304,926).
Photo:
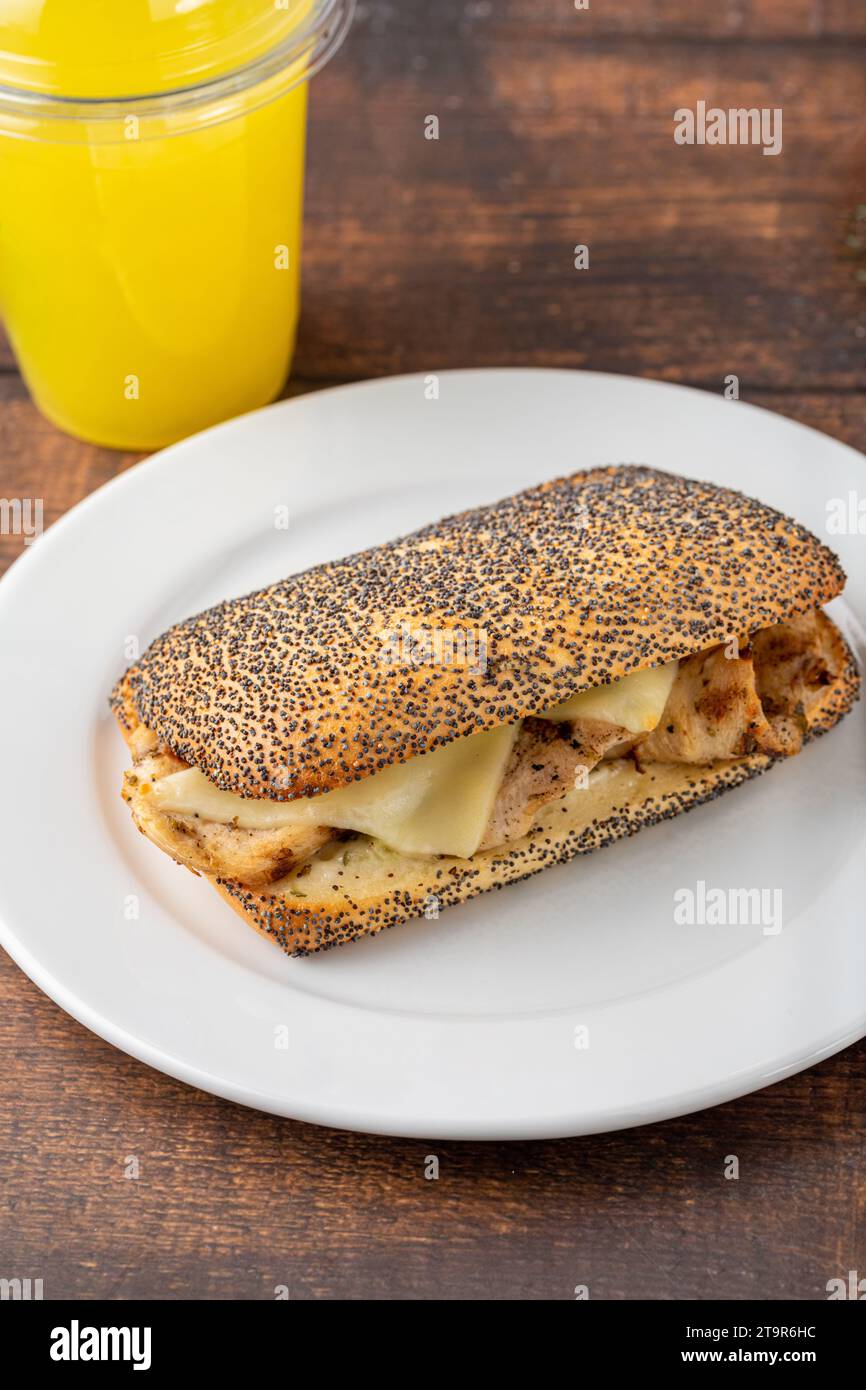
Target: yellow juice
(150,245)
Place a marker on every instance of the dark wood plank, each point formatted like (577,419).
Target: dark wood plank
(516,21)
(702,261)
(230,1203)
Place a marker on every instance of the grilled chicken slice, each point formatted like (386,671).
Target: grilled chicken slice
(596,739)
(546,762)
(713,711)
(794,661)
(719,707)
(727,707)
(255,857)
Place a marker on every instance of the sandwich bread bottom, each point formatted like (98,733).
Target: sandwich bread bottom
(357,887)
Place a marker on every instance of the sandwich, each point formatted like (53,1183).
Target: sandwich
(384,736)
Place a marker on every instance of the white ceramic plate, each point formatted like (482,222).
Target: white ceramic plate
(466,1026)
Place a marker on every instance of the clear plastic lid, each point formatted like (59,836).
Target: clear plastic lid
(123,48)
(68,61)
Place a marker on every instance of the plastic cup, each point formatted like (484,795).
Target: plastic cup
(150,243)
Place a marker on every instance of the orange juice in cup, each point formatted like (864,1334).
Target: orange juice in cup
(151,168)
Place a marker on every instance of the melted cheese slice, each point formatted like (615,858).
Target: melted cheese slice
(437,803)
(635,702)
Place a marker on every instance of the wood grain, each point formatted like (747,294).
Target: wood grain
(555,128)
(230,1203)
(557,132)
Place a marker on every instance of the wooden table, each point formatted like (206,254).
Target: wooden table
(555,129)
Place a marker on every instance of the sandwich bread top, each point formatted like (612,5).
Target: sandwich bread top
(480,619)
